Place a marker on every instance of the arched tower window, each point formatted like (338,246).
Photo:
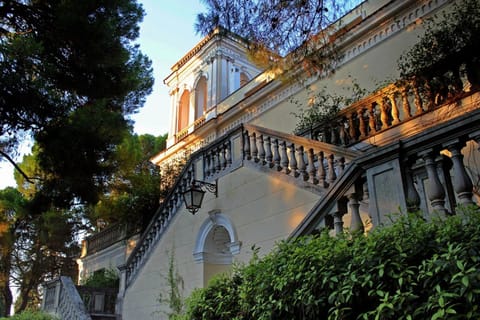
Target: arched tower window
(183,110)
(201,97)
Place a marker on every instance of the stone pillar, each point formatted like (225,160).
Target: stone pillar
(122,273)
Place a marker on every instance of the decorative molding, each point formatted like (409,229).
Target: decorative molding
(215,218)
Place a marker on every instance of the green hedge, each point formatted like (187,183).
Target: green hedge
(31,315)
(411,269)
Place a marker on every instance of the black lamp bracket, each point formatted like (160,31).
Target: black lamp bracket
(211,187)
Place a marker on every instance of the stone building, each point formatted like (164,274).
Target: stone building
(396,149)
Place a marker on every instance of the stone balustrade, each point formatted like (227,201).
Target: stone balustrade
(208,163)
(391,106)
(319,163)
(312,161)
(99,302)
(62,299)
(429,171)
(105,238)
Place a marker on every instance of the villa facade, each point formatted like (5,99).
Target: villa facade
(392,151)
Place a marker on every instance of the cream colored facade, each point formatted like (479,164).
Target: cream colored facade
(273,185)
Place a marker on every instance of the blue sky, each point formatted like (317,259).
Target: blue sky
(166,34)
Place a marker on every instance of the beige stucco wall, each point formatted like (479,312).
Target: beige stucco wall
(108,259)
(372,69)
(263,210)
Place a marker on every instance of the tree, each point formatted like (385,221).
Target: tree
(35,246)
(12,211)
(276,28)
(69,76)
(133,191)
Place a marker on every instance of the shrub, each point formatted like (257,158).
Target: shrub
(409,270)
(106,278)
(452,38)
(31,315)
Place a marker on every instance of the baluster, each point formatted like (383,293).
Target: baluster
(253,146)
(356,223)
(284,158)
(332,176)
(311,166)
(362,124)
(418,101)
(212,162)
(462,184)
(340,211)
(342,133)
(333,136)
(206,164)
(341,165)
(436,193)
(351,127)
(371,118)
(293,160)
(413,198)
(321,135)
(268,152)
(276,155)
(406,104)
(383,113)
(223,160)
(218,165)
(321,170)
(261,149)
(246,147)
(395,112)
(301,163)
(338,222)
(228,153)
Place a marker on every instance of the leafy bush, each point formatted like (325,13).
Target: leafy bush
(323,106)
(453,38)
(106,278)
(31,315)
(412,269)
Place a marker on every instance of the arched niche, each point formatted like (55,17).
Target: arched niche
(216,244)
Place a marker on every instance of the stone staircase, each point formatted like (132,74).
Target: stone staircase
(67,301)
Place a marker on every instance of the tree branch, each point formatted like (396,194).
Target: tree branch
(16,166)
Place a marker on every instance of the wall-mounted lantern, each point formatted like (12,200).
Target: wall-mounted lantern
(193,196)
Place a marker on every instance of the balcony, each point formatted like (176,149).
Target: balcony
(104,239)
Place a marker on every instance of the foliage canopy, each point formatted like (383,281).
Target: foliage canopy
(409,270)
(275,29)
(69,77)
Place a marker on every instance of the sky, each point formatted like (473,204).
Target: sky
(166,34)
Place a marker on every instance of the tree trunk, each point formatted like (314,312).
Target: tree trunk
(7,300)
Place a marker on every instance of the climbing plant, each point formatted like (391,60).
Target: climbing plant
(322,106)
(173,298)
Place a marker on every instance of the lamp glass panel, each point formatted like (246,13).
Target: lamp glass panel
(197,197)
